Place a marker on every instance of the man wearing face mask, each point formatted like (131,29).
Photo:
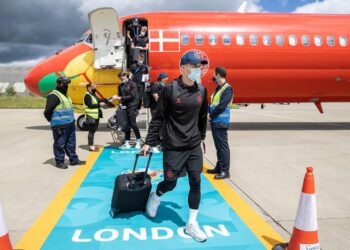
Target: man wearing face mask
(59,112)
(93,113)
(133,30)
(219,117)
(183,109)
(138,70)
(141,41)
(128,97)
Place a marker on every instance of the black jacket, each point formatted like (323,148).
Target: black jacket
(138,71)
(185,120)
(129,94)
(51,103)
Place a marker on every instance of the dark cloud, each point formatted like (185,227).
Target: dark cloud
(38,28)
(10,52)
(31,29)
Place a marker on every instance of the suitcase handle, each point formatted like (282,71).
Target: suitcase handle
(132,180)
(149,154)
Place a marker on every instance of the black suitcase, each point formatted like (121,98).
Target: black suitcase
(131,191)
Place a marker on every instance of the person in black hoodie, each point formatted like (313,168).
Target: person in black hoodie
(128,95)
(59,112)
(139,69)
(93,113)
(183,108)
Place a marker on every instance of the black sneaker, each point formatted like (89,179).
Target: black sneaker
(61,165)
(78,162)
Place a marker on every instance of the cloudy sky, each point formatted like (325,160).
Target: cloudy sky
(31,30)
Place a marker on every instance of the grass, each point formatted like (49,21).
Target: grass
(22,102)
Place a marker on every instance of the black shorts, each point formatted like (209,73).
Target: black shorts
(177,163)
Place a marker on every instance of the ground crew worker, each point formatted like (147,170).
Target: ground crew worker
(93,113)
(219,117)
(183,108)
(138,70)
(129,101)
(59,112)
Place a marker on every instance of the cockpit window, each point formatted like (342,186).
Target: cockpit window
(89,38)
(85,38)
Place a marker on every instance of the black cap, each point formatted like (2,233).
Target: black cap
(63,80)
(192,57)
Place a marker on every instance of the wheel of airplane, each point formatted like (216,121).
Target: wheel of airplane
(81,123)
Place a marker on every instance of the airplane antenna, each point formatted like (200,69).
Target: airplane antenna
(243,7)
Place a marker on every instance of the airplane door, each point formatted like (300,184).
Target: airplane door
(107,39)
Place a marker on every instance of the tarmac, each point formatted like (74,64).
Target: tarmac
(270,150)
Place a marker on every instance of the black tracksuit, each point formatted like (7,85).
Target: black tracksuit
(185,122)
(129,98)
(137,72)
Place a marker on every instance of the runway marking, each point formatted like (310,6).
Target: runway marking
(35,237)
(78,217)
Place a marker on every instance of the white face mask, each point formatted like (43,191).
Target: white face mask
(143,33)
(195,75)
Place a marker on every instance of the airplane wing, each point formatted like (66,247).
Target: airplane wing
(107,39)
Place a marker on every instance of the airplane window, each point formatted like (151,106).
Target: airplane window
(185,39)
(343,41)
(267,40)
(253,40)
(199,39)
(213,39)
(226,39)
(318,41)
(240,40)
(280,40)
(330,41)
(292,40)
(305,40)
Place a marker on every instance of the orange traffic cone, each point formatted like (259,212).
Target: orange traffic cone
(305,236)
(5,243)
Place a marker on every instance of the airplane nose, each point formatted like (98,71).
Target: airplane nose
(40,80)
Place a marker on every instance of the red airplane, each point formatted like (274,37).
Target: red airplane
(271,58)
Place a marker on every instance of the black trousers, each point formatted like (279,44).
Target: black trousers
(132,113)
(64,144)
(141,91)
(222,148)
(93,126)
(153,113)
(178,163)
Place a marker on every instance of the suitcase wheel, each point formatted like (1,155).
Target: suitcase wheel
(113,213)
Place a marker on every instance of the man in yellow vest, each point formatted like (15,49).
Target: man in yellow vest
(59,112)
(219,117)
(92,112)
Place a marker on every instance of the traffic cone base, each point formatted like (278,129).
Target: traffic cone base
(305,236)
